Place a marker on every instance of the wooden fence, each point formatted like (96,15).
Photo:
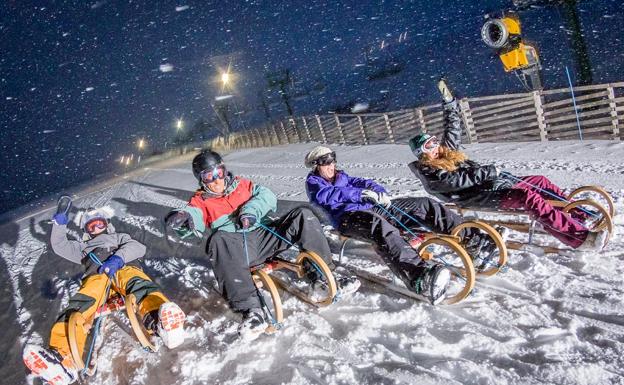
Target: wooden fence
(532,116)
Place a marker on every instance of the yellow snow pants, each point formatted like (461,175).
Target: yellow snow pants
(90,296)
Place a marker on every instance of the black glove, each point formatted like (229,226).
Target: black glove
(502,183)
(180,219)
(245,221)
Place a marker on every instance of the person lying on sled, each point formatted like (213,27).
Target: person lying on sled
(361,208)
(231,205)
(447,173)
(118,254)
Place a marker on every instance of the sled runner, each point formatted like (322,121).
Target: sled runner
(265,278)
(77,324)
(594,201)
(449,250)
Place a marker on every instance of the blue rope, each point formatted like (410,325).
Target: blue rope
(263,303)
(277,235)
(397,220)
(508,175)
(419,223)
(97,329)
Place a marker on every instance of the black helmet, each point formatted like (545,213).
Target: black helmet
(205,160)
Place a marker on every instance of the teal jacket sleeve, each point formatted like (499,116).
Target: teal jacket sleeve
(261,203)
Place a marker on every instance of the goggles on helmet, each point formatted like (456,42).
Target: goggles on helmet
(95,223)
(430,145)
(326,159)
(209,175)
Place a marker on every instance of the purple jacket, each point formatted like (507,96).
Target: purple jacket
(341,196)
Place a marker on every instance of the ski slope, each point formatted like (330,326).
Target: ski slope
(554,319)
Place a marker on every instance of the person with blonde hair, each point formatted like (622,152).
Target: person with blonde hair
(448,174)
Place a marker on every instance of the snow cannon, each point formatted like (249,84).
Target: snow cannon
(504,35)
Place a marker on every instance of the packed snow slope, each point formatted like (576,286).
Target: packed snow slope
(550,319)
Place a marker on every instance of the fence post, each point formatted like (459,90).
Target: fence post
(318,121)
(539,110)
(421,121)
(614,114)
(306,128)
(339,126)
(359,118)
(293,123)
(390,134)
(471,132)
(284,131)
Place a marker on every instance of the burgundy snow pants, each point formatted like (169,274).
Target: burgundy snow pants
(525,195)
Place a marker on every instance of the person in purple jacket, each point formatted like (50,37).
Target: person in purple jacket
(361,208)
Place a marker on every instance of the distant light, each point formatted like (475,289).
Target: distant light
(128,161)
(122,159)
(141,143)
(166,67)
(225,78)
(223,97)
(179,124)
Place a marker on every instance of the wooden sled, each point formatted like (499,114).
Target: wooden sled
(265,279)
(599,219)
(449,250)
(114,304)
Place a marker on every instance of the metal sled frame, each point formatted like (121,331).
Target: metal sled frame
(264,280)
(112,305)
(452,241)
(605,221)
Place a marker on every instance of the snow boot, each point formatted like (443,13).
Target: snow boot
(252,325)
(432,281)
(50,365)
(170,326)
(480,247)
(447,96)
(345,285)
(595,241)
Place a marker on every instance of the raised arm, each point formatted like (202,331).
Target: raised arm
(452,125)
(63,247)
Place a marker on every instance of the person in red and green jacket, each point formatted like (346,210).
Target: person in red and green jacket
(231,206)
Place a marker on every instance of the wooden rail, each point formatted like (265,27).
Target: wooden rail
(532,116)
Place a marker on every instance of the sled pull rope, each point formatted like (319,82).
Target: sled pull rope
(406,228)
(277,235)
(512,177)
(260,297)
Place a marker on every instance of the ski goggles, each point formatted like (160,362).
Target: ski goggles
(326,159)
(209,175)
(430,145)
(94,224)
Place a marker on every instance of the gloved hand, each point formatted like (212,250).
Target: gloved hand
(502,183)
(245,221)
(180,219)
(60,219)
(111,265)
(376,198)
(384,200)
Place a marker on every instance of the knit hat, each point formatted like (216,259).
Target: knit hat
(317,152)
(416,144)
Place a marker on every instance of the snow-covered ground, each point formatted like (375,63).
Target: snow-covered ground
(549,319)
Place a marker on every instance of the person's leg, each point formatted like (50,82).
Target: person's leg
(299,226)
(231,267)
(132,280)
(90,296)
(429,215)
(540,182)
(555,222)
(389,244)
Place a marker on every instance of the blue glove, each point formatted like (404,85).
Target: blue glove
(246,221)
(60,219)
(111,265)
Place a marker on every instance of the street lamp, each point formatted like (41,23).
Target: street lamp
(179,124)
(141,144)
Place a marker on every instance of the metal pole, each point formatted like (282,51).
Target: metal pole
(578,122)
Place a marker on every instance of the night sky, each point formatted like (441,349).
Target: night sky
(82,81)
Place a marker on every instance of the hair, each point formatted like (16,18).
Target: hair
(447,160)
